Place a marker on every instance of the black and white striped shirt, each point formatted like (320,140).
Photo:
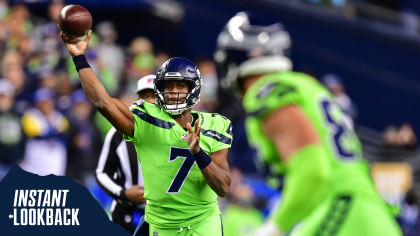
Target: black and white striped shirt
(118,167)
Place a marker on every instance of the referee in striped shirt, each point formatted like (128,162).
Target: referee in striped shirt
(119,171)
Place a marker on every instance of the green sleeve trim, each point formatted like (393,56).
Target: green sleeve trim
(222,138)
(307,175)
(138,124)
(138,104)
(216,136)
(137,133)
(220,147)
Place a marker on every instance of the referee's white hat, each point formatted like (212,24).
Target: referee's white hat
(145,82)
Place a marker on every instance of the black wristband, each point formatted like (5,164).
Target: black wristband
(122,194)
(123,200)
(202,159)
(80,62)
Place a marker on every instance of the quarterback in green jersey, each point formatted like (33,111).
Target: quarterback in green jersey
(301,133)
(183,153)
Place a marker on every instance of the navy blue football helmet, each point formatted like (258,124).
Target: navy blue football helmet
(251,44)
(178,68)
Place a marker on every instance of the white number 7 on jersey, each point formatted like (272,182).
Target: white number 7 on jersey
(184,170)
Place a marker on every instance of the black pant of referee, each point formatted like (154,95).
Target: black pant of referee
(119,175)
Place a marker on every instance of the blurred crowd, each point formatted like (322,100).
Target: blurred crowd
(402,136)
(396,5)
(404,13)
(47,124)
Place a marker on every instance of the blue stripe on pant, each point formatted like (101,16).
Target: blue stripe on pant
(142,229)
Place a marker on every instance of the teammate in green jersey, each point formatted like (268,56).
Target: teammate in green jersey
(301,133)
(183,154)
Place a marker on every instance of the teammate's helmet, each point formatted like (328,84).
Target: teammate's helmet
(251,44)
(178,68)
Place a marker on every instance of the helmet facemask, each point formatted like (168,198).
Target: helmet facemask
(178,69)
(182,104)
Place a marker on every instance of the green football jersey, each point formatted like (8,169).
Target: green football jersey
(176,192)
(274,91)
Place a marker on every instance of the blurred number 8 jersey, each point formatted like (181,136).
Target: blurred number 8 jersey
(176,191)
(277,90)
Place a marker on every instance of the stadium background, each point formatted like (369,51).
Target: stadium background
(367,51)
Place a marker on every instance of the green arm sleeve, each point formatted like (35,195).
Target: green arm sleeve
(224,137)
(307,175)
(138,129)
(138,111)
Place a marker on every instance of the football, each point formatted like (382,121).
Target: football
(75,21)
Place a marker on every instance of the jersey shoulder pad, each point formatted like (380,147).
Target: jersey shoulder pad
(217,127)
(139,104)
(148,108)
(151,114)
(272,92)
(213,120)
